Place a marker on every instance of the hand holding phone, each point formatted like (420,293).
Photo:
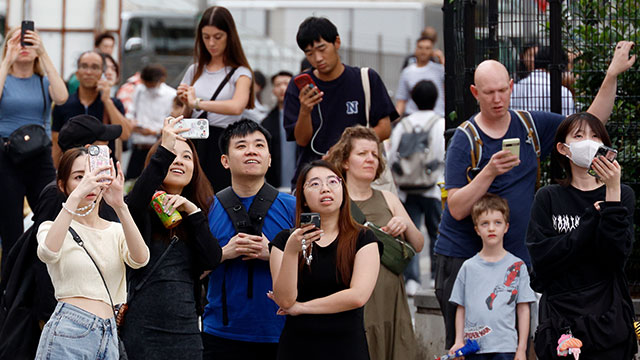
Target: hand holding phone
(303,80)
(98,158)
(609,154)
(26,25)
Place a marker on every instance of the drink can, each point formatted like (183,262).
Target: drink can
(169,221)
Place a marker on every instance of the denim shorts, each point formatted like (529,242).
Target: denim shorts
(74,333)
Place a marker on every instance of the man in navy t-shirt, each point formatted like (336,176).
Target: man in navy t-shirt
(501,173)
(240,321)
(316,115)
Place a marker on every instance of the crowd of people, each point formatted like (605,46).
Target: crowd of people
(277,236)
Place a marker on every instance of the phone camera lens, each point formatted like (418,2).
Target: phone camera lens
(94,150)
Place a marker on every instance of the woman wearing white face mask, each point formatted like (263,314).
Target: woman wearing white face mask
(579,238)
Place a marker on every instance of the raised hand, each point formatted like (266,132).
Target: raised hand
(501,162)
(307,233)
(92,181)
(13,49)
(309,97)
(621,60)
(170,133)
(114,193)
(36,43)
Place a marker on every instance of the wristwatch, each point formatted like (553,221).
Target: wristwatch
(197,104)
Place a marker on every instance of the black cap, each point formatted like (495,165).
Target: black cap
(86,129)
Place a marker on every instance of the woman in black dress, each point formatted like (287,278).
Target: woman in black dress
(162,322)
(323,277)
(579,238)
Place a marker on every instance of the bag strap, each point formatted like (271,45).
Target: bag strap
(248,222)
(78,239)
(203,114)
(532,136)
(137,288)
(475,144)
(430,123)
(356,213)
(366,86)
(44,102)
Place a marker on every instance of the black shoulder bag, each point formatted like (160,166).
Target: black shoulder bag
(203,114)
(247,222)
(78,239)
(29,140)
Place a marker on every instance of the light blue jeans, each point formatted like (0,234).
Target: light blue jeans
(74,333)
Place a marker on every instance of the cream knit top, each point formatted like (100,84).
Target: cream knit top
(73,274)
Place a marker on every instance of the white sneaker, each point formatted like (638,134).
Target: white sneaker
(411,287)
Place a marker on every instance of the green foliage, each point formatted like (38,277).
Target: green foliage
(594,28)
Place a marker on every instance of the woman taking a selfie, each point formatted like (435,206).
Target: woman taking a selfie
(387,317)
(161,322)
(83,325)
(28,83)
(323,277)
(579,238)
(218,86)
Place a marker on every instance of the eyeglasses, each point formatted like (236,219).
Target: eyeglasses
(315,184)
(87,67)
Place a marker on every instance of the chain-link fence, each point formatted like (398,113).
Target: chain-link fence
(580,35)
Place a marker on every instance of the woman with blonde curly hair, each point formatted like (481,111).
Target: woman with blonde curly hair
(387,317)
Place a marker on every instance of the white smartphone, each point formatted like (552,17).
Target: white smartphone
(198,128)
(513,145)
(99,157)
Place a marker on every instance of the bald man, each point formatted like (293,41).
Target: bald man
(503,174)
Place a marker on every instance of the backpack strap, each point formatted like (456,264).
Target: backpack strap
(475,146)
(366,87)
(532,136)
(250,222)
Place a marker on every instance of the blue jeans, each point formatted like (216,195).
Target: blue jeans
(491,356)
(74,333)
(431,208)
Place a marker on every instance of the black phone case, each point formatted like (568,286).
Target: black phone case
(26,25)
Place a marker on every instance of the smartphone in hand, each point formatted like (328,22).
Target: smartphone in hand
(99,157)
(26,25)
(303,80)
(609,154)
(198,128)
(513,145)
(310,218)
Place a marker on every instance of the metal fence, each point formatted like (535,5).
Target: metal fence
(581,35)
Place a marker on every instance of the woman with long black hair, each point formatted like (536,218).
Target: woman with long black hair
(323,277)
(162,322)
(220,69)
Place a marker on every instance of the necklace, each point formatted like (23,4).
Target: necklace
(78,210)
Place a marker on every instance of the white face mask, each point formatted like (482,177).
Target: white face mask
(583,152)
